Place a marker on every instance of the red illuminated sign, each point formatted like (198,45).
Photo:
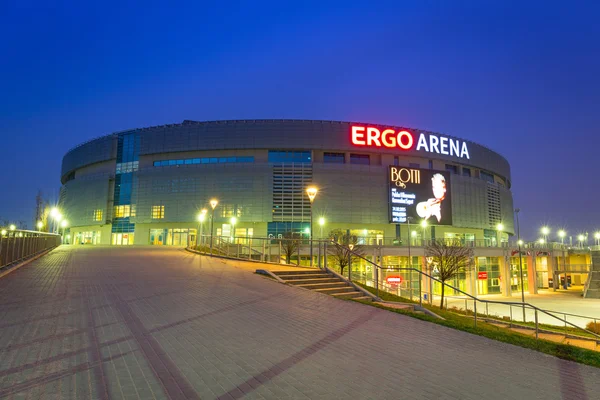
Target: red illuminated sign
(370,136)
(394,280)
(482,275)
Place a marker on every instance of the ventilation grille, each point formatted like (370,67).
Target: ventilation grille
(290,201)
(494,210)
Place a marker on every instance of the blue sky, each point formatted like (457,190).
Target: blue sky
(519,77)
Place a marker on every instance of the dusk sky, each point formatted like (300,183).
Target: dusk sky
(522,78)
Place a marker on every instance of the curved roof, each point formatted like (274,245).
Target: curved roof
(267,134)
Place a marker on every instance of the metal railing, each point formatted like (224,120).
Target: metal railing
(19,245)
(425,290)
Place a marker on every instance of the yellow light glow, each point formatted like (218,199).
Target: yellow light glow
(545,230)
(201,217)
(580,237)
(213,203)
(413,233)
(3,232)
(424,223)
(54,212)
(12,227)
(597,235)
(321,221)
(311,191)
(562,233)
(542,241)
(40,224)
(520,243)
(500,227)
(233,220)
(64,223)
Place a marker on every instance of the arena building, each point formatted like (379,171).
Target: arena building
(146,186)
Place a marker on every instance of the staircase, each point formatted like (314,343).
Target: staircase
(322,282)
(592,285)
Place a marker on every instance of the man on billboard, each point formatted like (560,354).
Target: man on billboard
(433,206)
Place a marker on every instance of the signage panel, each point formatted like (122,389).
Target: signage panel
(421,194)
(394,280)
(482,275)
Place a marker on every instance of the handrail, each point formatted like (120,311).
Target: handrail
(475,299)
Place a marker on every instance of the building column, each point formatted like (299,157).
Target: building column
(531,276)
(505,276)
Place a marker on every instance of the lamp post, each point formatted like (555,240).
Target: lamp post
(64,223)
(54,213)
(233,221)
(311,191)
(561,235)
(424,226)
(520,242)
(500,229)
(213,204)
(321,223)
(201,218)
(581,238)
(545,232)
(597,237)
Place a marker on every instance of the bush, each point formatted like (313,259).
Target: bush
(593,327)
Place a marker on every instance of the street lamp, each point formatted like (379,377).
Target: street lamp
(40,224)
(542,240)
(233,221)
(561,235)
(3,232)
(520,242)
(545,232)
(597,237)
(311,191)
(500,229)
(321,223)
(213,204)
(581,238)
(424,226)
(201,218)
(54,213)
(64,223)
(12,227)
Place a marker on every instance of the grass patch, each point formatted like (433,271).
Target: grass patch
(465,324)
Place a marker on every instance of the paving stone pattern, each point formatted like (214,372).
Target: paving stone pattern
(161,323)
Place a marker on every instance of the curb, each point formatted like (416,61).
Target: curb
(245,259)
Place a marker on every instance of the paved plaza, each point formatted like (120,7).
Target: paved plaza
(162,323)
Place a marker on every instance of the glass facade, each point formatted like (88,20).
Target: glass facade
(362,159)
(333,158)
(128,150)
(202,160)
(278,156)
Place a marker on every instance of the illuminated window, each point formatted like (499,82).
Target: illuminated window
(124,211)
(158,212)
(97,215)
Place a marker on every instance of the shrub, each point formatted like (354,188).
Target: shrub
(593,327)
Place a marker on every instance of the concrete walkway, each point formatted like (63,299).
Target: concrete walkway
(159,323)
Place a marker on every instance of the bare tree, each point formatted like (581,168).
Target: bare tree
(449,257)
(290,243)
(341,250)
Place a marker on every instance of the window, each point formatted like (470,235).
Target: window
(487,176)
(124,211)
(362,159)
(452,168)
(158,212)
(276,156)
(205,160)
(98,215)
(414,165)
(333,158)
(396,160)
(430,164)
(466,171)
(124,168)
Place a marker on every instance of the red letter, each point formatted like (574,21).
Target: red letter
(388,134)
(373,136)
(358,135)
(405,140)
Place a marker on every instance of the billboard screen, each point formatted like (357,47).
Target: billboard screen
(422,194)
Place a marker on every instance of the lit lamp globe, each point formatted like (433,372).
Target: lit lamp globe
(64,223)
(424,223)
(562,234)
(597,235)
(500,227)
(12,227)
(545,230)
(542,241)
(3,232)
(40,225)
(321,221)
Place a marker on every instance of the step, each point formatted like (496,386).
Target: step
(299,272)
(307,281)
(304,276)
(313,286)
(336,290)
(363,298)
(348,295)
